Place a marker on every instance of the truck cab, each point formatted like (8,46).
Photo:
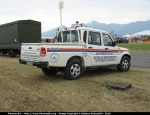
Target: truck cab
(76,49)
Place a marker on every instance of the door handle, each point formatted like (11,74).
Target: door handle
(90,47)
(106,48)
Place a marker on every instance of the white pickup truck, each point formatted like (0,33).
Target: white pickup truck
(76,49)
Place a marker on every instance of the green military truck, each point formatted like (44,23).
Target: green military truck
(13,34)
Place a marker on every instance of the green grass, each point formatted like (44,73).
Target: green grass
(26,89)
(136,46)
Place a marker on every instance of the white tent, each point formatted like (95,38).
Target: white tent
(142,33)
(127,35)
(47,37)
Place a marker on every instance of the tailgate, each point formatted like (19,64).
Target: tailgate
(30,53)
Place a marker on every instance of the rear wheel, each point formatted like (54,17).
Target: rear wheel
(12,53)
(124,64)
(4,52)
(73,70)
(50,71)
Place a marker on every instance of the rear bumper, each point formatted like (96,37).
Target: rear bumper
(38,64)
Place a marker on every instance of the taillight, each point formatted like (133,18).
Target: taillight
(43,52)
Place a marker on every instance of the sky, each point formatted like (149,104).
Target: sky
(84,11)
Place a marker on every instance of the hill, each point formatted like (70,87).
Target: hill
(120,29)
(51,33)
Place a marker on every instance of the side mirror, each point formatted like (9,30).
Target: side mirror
(114,43)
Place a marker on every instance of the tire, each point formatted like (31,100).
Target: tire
(12,53)
(4,52)
(47,71)
(124,65)
(73,70)
(9,53)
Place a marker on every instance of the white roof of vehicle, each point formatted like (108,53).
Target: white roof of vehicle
(86,28)
(81,26)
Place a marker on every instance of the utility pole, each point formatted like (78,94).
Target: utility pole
(60,7)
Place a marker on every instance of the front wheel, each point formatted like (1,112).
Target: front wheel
(73,70)
(124,64)
(47,71)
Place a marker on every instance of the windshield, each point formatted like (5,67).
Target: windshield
(68,36)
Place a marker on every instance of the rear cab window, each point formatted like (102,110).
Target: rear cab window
(68,36)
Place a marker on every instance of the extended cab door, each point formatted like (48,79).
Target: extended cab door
(93,47)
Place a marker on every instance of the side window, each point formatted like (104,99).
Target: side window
(94,38)
(74,36)
(107,40)
(84,36)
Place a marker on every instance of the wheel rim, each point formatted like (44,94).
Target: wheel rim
(125,64)
(75,70)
